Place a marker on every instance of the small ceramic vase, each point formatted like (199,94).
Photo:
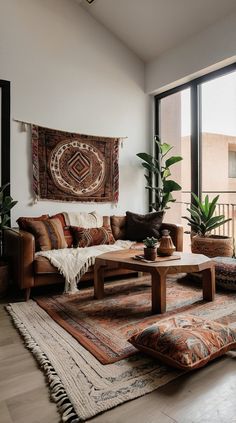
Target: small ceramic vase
(166,246)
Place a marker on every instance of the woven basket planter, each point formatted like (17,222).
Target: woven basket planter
(212,246)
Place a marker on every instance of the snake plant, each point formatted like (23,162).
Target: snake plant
(202,216)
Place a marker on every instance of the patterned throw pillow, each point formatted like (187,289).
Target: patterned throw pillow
(23,221)
(48,234)
(141,226)
(66,229)
(184,341)
(92,236)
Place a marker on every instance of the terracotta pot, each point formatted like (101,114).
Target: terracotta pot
(212,246)
(3,278)
(150,253)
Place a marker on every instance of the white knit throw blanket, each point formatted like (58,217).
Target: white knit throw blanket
(73,263)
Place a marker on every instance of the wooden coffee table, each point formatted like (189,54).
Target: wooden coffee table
(159,270)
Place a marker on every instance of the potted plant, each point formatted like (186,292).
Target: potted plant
(6,204)
(159,171)
(150,250)
(202,221)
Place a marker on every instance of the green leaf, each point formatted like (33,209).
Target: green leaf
(199,203)
(194,214)
(212,206)
(207,205)
(170,186)
(146,157)
(4,187)
(165,173)
(216,225)
(173,160)
(165,148)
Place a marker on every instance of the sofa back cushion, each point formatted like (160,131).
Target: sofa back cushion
(141,226)
(118,226)
(48,234)
(23,221)
(92,236)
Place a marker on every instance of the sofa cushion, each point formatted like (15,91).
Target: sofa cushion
(118,226)
(93,236)
(141,226)
(186,342)
(43,266)
(48,234)
(23,221)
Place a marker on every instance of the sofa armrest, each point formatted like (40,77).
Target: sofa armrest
(176,233)
(19,249)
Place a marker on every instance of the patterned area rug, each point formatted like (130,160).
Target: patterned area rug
(103,326)
(80,385)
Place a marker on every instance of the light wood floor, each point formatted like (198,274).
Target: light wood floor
(205,396)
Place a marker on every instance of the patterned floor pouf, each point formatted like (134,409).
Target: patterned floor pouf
(225,272)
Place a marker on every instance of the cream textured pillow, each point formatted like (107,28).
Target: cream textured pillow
(83,219)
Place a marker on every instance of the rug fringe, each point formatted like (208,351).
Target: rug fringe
(57,390)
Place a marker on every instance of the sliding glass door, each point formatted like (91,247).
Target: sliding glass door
(199,120)
(218,143)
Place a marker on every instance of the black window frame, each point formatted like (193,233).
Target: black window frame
(5,116)
(5,132)
(196,124)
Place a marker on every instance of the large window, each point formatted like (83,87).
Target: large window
(199,120)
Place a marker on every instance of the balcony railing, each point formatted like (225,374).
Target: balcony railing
(228,210)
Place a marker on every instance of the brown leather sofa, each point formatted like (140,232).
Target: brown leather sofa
(28,271)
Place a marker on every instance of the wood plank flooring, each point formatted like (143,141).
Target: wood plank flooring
(205,396)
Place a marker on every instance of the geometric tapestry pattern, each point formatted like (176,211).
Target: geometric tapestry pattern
(74,167)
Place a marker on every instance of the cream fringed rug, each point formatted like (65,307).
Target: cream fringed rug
(80,385)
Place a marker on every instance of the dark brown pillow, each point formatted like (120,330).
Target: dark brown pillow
(141,226)
(48,234)
(23,221)
(92,236)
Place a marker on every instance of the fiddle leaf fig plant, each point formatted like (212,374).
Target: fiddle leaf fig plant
(202,216)
(159,171)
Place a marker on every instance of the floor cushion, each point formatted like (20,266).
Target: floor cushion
(225,272)
(184,341)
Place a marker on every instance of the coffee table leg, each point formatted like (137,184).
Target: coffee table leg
(158,291)
(98,280)
(208,284)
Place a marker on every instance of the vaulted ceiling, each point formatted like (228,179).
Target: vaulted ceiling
(150,27)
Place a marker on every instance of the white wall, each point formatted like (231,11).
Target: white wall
(209,50)
(68,72)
